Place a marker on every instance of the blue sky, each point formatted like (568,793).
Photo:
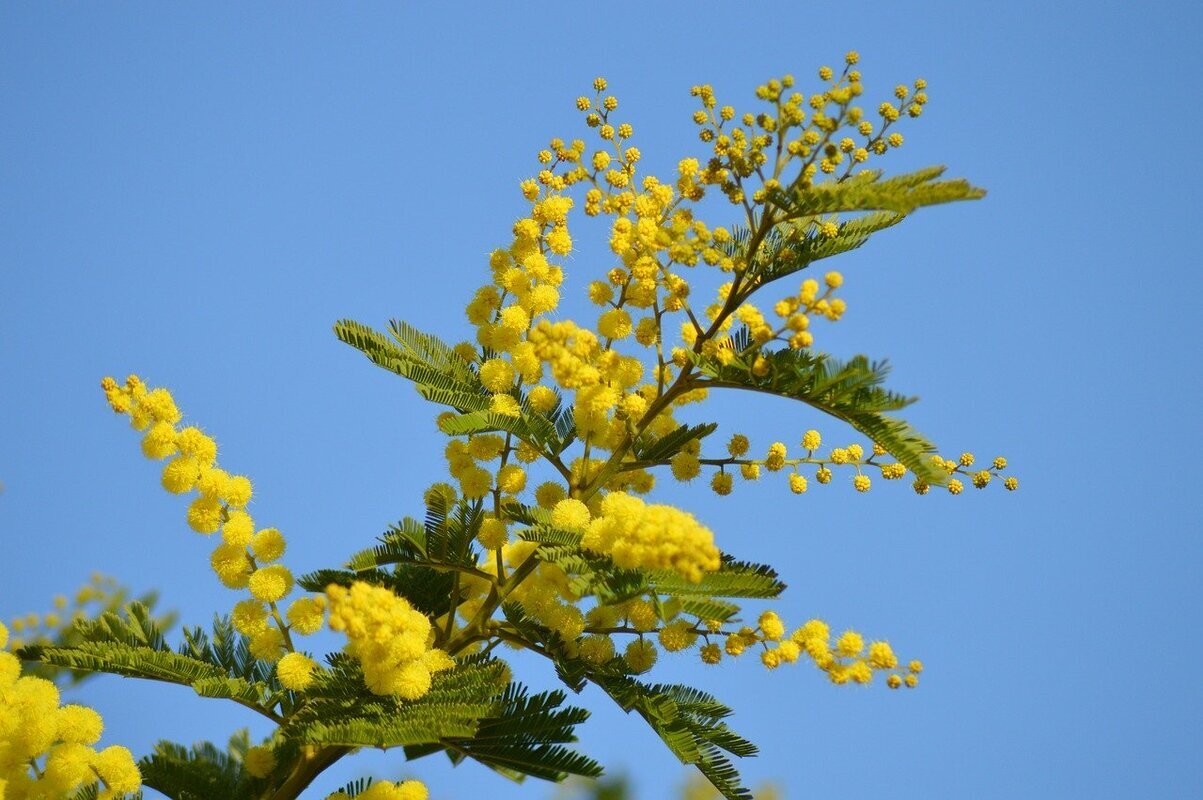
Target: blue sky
(197,192)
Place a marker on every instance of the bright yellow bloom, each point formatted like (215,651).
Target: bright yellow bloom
(306,614)
(260,761)
(271,583)
(635,534)
(389,638)
(571,515)
(296,671)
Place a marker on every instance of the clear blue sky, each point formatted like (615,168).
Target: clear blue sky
(196,192)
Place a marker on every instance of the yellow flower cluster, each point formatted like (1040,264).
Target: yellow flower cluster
(388,637)
(639,535)
(387,790)
(545,593)
(46,749)
(243,559)
(853,457)
(846,659)
(980,478)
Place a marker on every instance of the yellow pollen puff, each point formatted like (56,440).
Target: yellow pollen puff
(268,545)
(738,445)
(195,443)
(238,529)
(497,375)
(614,324)
(850,644)
(881,656)
(159,441)
(511,479)
(542,399)
(637,535)
(548,494)
(811,440)
(493,533)
(677,636)
(238,490)
(296,671)
(259,761)
(204,515)
(771,625)
(640,655)
(270,584)
(505,405)
(180,475)
(249,617)
(306,615)
(776,457)
(797,483)
(213,483)
(570,514)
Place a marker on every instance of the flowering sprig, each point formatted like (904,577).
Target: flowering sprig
(544,535)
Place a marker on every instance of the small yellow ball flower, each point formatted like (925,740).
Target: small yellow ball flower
(270,584)
(711,653)
(268,545)
(677,636)
(296,671)
(238,529)
(505,405)
(881,656)
(797,483)
(955,486)
(571,514)
(776,457)
(204,515)
(738,445)
(861,483)
(260,761)
(118,770)
(911,681)
(811,440)
(180,475)
(493,533)
(306,614)
(542,399)
(249,617)
(497,375)
(548,494)
(1011,483)
(893,681)
(850,644)
(238,490)
(640,655)
(159,441)
(193,442)
(771,625)
(79,725)
(722,483)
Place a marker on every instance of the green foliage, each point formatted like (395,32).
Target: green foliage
(199,772)
(867,191)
